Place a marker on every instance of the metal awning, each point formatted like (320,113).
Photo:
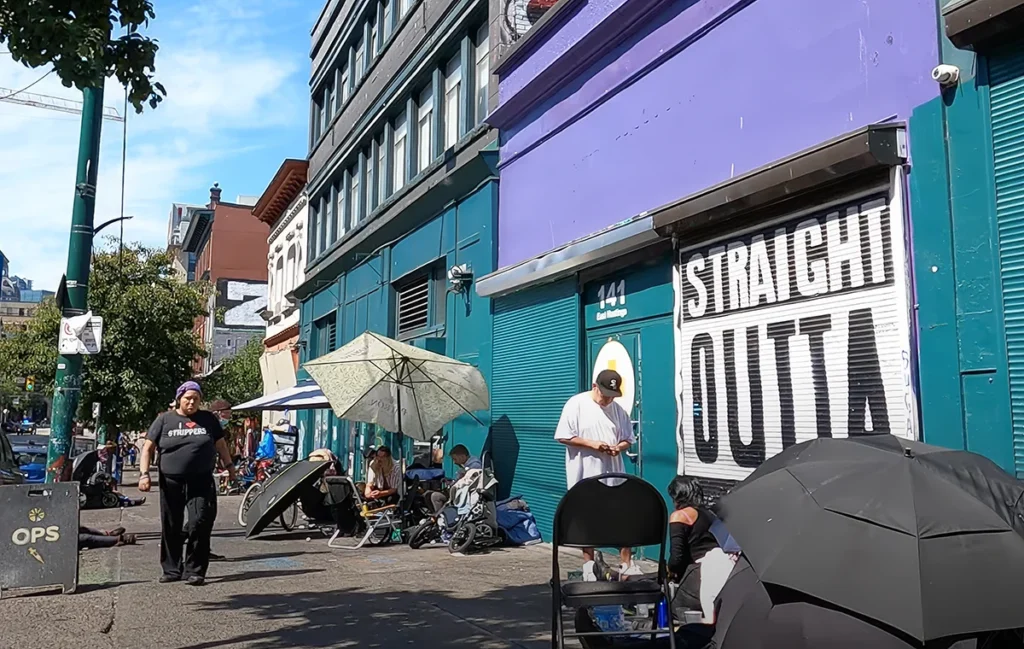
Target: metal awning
(873,148)
(615,241)
(973,23)
(304,396)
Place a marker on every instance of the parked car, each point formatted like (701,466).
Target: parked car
(9,472)
(30,453)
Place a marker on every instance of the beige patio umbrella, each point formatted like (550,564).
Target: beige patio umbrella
(401,388)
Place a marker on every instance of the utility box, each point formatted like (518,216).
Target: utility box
(39,536)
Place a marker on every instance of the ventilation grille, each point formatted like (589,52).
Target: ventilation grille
(414,306)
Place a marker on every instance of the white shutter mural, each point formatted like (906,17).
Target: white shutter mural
(793,331)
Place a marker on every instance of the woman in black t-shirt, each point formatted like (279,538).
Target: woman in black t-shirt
(189,441)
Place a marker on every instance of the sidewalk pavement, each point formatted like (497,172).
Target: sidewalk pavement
(281,590)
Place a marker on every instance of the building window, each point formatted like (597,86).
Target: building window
(424,130)
(452,84)
(387,20)
(399,162)
(314,227)
(483,71)
(420,303)
(324,335)
(322,226)
(340,209)
(382,170)
(328,106)
(357,74)
(289,278)
(374,32)
(345,85)
(353,199)
(371,186)
(279,289)
(317,121)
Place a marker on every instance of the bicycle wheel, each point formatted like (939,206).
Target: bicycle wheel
(289,517)
(251,494)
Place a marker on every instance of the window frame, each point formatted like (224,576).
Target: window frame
(382,169)
(481,73)
(399,164)
(434,275)
(425,122)
(354,202)
(451,99)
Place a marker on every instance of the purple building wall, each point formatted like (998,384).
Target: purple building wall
(704,91)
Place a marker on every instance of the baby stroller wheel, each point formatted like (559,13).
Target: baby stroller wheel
(427,532)
(462,538)
(109,500)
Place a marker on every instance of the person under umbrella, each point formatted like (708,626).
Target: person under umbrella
(189,441)
(917,538)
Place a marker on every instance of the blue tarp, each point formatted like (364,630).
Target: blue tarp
(519,524)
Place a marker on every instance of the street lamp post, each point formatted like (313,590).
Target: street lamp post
(67,386)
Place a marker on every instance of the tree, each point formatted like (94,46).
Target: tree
(76,38)
(148,339)
(238,380)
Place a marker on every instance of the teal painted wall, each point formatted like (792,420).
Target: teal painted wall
(463,233)
(964,388)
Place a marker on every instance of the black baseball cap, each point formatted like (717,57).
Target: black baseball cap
(609,383)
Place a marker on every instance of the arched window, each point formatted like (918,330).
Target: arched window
(279,286)
(290,272)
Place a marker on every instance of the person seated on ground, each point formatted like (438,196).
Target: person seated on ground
(384,478)
(461,458)
(697,561)
(89,538)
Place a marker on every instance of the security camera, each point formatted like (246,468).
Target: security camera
(946,75)
(459,276)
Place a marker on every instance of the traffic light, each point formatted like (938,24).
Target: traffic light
(30,384)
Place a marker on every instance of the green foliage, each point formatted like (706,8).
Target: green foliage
(148,339)
(238,380)
(76,38)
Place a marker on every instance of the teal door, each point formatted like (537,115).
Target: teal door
(643,354)
(620,351)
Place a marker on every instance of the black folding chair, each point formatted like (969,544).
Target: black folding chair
(594,514)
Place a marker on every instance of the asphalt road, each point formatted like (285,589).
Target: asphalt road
(281,591)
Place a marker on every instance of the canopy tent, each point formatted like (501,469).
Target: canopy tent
(307,395)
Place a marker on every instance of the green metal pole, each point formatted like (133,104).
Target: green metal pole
(68,382)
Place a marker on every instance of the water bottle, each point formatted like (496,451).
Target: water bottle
(663,614)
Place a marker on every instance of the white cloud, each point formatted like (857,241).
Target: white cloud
(230,82)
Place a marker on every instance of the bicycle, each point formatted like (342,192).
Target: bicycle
(258,473)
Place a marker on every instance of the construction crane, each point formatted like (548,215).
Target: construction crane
(53,103)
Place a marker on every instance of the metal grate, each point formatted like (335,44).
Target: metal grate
(519,16)
(414,305)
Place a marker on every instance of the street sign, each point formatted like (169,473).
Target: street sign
(82,334)
(39,536)
(95,411)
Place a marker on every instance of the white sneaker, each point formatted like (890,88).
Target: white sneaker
(630,570)
(590,571)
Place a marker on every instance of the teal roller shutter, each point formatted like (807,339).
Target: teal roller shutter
(1006,82)
(536,368)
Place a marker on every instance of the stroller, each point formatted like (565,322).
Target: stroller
(469,521)
(96,488)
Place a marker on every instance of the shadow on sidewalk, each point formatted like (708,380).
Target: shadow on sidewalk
(262,574)
(514,617)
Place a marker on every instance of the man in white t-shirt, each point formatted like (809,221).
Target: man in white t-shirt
(596,431)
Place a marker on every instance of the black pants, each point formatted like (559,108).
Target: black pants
(88,539)
(198,496)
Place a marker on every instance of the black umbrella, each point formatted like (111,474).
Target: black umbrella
(889,529)
(753,615)
(280,492)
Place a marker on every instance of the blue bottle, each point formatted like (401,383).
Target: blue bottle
(663,614)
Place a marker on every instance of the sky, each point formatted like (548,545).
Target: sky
(236,74)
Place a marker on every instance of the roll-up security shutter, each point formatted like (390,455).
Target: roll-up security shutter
(536,370)
(1006,82)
